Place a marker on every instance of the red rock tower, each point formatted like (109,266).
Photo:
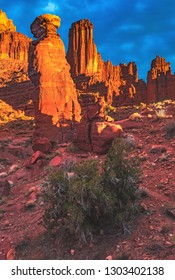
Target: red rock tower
(50,73)
(82,52)
(160,81)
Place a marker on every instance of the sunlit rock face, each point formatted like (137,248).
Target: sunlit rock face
(160,81)
(13,44)
(50,73)
(5,23)
(94,133)
(82,52)
(117,84)
(15,87)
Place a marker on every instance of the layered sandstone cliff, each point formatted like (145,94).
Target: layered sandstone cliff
(50,73)
(15,87)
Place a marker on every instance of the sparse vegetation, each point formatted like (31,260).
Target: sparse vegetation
(135,117)
(160,113)
(84,200)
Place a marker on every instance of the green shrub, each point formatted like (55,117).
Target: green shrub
(120,177)
(85,200)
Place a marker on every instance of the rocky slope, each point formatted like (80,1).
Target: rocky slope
(150,236)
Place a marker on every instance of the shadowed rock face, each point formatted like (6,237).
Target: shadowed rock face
(49,72)
(160,81)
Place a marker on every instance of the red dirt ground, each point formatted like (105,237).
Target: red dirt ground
(150,236)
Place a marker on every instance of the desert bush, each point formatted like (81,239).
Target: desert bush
(135,117)
(161,113)
(120,177)
(85,202)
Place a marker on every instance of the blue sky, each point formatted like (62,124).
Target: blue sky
(124,30)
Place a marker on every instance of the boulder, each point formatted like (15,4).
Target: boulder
(56,161)
(36,156)
(42,145)
(94,133)
(103,134)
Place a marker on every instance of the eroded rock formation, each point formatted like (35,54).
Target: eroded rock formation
(15,87)
(118,84)
(160,81)
(94,133)
(49,72)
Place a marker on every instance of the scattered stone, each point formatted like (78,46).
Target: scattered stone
(164,181)
(143,157)
(11,254)
(6,223)
(56,161)
(30,204)
(171,212)
(37,155)
(109,257)
(31,190)
(157,149)
(4,187)
(164,157)
(72,251)
(13,168)
(42,145)
(11,184)
(143,207)
(3,174)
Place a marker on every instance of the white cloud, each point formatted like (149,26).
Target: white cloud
(51,7)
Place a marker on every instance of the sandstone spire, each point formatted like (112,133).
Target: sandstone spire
(92,74)
(49,71)
(82,52)
(160,81)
